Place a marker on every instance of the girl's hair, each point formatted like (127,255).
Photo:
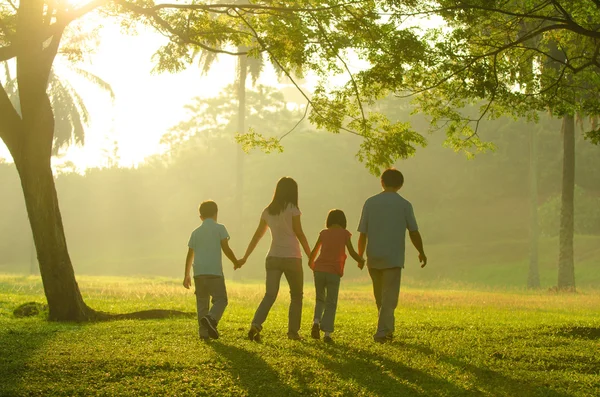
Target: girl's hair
(286,193)
(336,217)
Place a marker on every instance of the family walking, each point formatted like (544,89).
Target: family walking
(382,231)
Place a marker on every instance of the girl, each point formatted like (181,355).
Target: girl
(282,217)
(328,270)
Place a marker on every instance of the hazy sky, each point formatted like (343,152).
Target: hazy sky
(146,105)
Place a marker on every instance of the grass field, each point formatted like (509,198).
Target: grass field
(448,343)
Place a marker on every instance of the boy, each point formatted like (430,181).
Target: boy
(383,223)
(205,245)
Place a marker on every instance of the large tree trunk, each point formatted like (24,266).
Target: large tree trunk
(533,278)
(62,292)
(566,268)
(29,137)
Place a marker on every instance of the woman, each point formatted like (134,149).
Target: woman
(282,217)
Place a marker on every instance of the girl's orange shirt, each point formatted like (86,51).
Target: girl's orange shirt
(332,257)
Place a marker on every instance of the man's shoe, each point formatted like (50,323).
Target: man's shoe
(315,332)
(254,334)
(294,336)
(205,338)
(327,339)
(211,326)
(384,339)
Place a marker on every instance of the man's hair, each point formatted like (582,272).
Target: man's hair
(336,217)
(392,178)
(208,209)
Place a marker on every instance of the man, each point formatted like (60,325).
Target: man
(383,224)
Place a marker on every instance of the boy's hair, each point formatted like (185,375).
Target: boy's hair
(336,217)
(208,209)
(392,178)
(286,193)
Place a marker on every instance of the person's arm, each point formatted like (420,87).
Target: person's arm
(358,258)
(417,241)
(297,227)
(363,227)
(228,252)
(362,244)
(187,278)
(258,234)
(313,253)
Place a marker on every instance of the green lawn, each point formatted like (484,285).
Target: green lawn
(448,342)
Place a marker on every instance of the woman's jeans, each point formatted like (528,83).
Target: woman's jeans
(292,269)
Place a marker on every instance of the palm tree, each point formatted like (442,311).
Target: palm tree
(70,112)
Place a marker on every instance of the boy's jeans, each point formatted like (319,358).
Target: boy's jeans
(327,286)
(207,287)
(292,268)
(386,288)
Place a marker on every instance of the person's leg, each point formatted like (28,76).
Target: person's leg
(274,273)
(202,302)
(376,279)
(295,278)
(333,287)
(320,281)
(389,301)
(218,291)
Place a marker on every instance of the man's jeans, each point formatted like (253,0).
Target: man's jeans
(292,269)
(386,288)
(207,287)
(327,286)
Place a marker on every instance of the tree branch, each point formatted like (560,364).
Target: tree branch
(150,12)
(246,6)
(7,52)
(10,122)
(285,71)
(297,124)
(354,85)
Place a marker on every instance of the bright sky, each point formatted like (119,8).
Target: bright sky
(146,105)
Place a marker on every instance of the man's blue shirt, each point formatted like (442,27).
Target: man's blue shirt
(384,219)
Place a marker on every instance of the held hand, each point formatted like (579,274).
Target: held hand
(423,260)
(361,263)
(239,263)
(187,281)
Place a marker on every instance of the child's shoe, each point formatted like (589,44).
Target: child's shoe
(315,332)
(211,326)
(327,339)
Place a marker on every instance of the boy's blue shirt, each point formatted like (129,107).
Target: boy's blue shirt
(384,219)
(206,243)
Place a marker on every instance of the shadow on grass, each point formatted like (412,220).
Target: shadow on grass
(379,375)
(486,379)
(591,333)
(18,345)
(253,373)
